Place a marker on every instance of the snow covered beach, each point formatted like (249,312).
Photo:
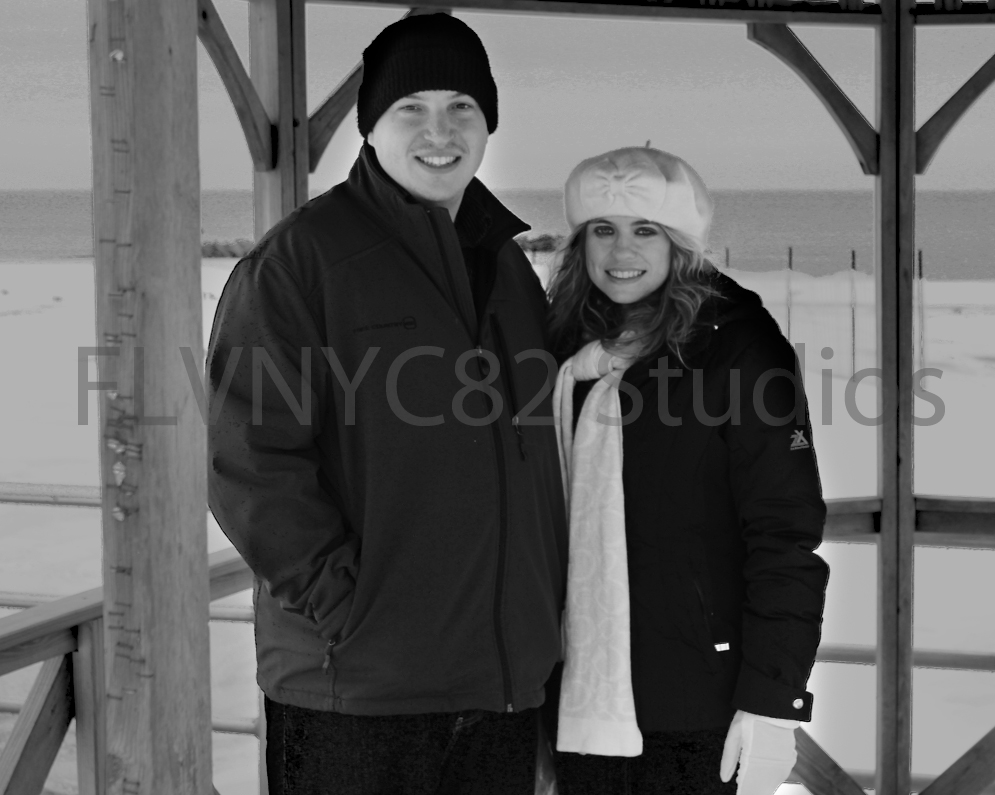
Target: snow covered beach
(46,314)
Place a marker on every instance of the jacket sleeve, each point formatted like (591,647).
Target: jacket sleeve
(775,483)
(266,486)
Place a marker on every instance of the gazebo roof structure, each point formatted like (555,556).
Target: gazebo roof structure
(130,660)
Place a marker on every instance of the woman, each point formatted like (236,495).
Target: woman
(694,600)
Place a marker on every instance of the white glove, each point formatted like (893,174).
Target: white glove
(765,750)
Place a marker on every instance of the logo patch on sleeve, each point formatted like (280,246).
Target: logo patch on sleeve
(798,441)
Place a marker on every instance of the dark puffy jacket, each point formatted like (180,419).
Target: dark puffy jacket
(722,517)
(409,555)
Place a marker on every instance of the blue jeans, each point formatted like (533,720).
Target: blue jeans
(672,763)
(464,753)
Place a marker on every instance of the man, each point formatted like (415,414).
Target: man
(381,459)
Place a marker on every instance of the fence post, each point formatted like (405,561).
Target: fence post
(91,708)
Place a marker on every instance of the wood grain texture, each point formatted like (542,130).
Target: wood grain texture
(938,126)
(780,40)
(38,733)
(894,200)
(256,124)
(143,66)
(278,71)
(926,502)
(331,113)
(818,771)
(50,494)
(849,12)
(91,708)
(971,774)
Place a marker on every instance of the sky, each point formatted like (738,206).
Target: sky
(569,87)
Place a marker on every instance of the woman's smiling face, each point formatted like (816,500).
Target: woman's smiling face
(627,258)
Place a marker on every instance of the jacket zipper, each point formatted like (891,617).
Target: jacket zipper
(502,554)
(512,392)
(502,489)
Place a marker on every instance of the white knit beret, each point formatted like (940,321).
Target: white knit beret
(642,183)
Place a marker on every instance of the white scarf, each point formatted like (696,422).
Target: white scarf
(597,712)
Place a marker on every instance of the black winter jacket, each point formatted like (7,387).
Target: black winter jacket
(409,555)
(722,517)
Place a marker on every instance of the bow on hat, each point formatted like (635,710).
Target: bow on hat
(639,182)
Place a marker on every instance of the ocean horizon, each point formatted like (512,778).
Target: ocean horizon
(826,230)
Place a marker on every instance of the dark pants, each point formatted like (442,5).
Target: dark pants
(672,763)
(464,753)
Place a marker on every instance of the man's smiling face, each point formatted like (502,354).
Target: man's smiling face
(431,143)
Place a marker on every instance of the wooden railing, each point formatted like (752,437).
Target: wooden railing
(66,635)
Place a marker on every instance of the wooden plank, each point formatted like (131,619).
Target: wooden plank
(50,494)
(56,644)
(968,14)
(931,134)
(277,68)
(146,197)
(780,40)
(955,540)
(261,735)
(91,708)
(894,198)
(850,505)
(957,523)
(45,630)
(786,11)
(851,527)
(972,774)
(855,654)
(38,733)
(331,113)
(925,502)
(50,618)
(229,573)
(818,771)
(256,124)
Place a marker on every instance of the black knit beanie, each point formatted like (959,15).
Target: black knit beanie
(427,52)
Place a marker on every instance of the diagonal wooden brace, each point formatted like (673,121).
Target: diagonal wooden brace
(931,134)
(818,771)
(969,775)
(259,131)
(37,736)
(323,123)
(780,40)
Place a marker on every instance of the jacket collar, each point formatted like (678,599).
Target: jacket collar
(482,220)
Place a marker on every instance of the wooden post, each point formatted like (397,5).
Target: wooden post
(146,211)
(894,199)
(91,713)
(788,296)
(277,69)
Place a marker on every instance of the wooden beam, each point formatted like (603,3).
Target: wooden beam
(931,134)
(38,733)
(50,494)
(780,40)
(323,123)
(256,125)
(894,199)
(972,774)
(331,113)
(856,654)
(785,11)
(963,14)
(91,708)
(277,67)
(46,630)
(818,771)
(146,211)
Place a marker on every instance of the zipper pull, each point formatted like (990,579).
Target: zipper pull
(328,657)
(509,708)
(521,437)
